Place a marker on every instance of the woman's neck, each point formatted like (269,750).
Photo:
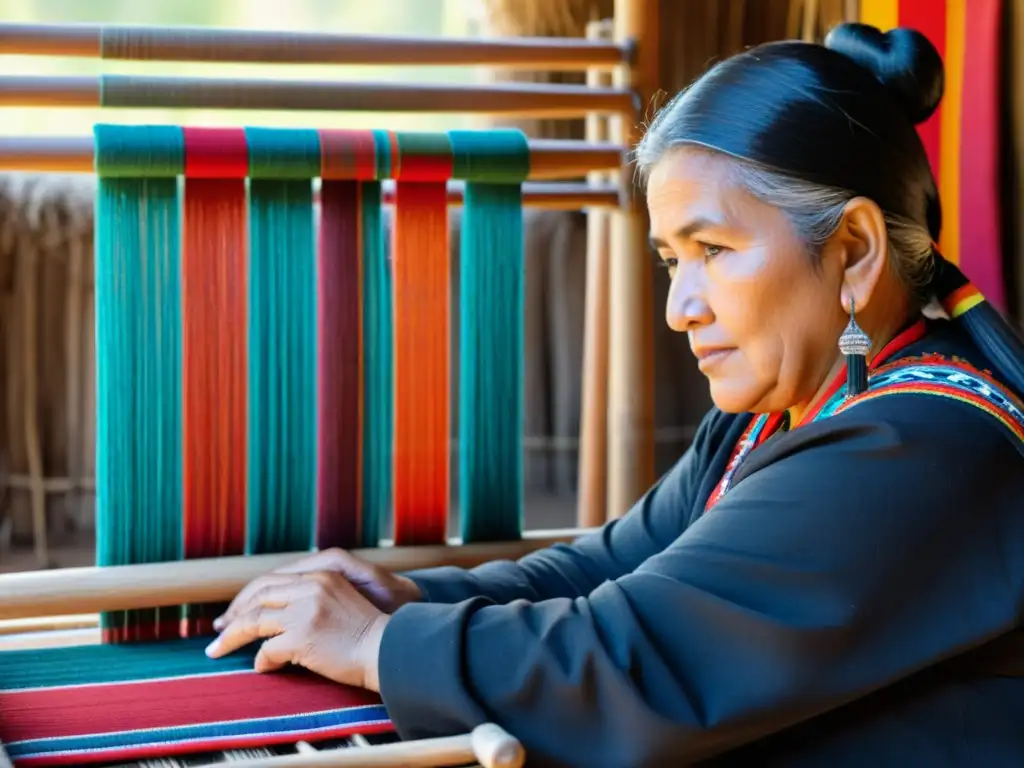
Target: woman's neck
(879,341)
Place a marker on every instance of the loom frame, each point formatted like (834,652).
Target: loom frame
(617,431)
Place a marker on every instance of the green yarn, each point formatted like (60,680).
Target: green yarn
(283,153)
(281,504)
(491,295)
(139,351)
(377,369)
(500,156)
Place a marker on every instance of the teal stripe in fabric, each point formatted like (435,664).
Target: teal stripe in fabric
(138,352)
(377,368)
(491,295)
(281,504)
(283,153)
(96,664)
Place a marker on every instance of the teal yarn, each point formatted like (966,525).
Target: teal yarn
(382,144)
(138,152)
(491,318)
(498,156)
(281,503)
(283,153)
(378,385)
(138,353)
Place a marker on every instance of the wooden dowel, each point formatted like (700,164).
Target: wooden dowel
(631,330)
(549,158)
(202,44)
(591,510)
(488,744)
(213,580)
(149,92)
(50,624)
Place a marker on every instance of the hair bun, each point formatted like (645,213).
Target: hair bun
(903,60)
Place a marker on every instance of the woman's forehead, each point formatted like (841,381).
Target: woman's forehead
(690,184)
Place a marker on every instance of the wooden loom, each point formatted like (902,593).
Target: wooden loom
(240,193)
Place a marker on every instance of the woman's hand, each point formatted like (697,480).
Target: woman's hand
(312,619)
(384,589)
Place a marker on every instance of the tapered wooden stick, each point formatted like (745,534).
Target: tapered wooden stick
(212,580)
(488,744)
(143,43)
(148,92)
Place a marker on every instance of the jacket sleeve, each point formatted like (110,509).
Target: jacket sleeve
(867,550)
(573,570)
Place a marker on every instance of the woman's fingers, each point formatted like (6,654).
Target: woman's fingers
(248,628)
(280,651)
(265,591)
(244,600)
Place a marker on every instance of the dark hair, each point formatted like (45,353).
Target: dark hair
(811,126)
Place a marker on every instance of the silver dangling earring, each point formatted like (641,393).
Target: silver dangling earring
(855,345)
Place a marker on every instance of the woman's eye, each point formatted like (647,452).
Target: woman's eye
(710,251)
(668,263)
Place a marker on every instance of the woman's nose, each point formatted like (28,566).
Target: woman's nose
(686,309)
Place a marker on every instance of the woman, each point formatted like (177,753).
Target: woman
(814,580)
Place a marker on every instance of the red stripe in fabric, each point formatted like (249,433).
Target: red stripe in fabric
(929,18)
(216,153)
(168,703)
(981,251)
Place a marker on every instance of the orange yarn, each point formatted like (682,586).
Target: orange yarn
(422,333)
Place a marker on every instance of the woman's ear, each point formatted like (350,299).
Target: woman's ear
(861,244)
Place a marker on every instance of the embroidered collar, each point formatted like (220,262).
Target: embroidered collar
(930,374)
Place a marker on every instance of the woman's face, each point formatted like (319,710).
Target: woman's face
(761,315)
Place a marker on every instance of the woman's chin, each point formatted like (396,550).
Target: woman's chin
(732,395)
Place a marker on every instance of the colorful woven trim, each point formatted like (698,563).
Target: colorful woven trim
(752,436)
(938,376)
(98,704)
(933,375)
(961,300)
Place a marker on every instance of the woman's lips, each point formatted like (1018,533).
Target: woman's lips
(709,357)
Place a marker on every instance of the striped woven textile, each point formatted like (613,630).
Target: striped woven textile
(99,704)
(962,138)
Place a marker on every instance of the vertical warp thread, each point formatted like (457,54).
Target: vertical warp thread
(422,316)
(339,506)
(378,387)
(138,351)
(350,197)
(281,496)
(491,356)
(213,274)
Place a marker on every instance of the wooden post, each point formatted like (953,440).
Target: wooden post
(631,349)
(592,500)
